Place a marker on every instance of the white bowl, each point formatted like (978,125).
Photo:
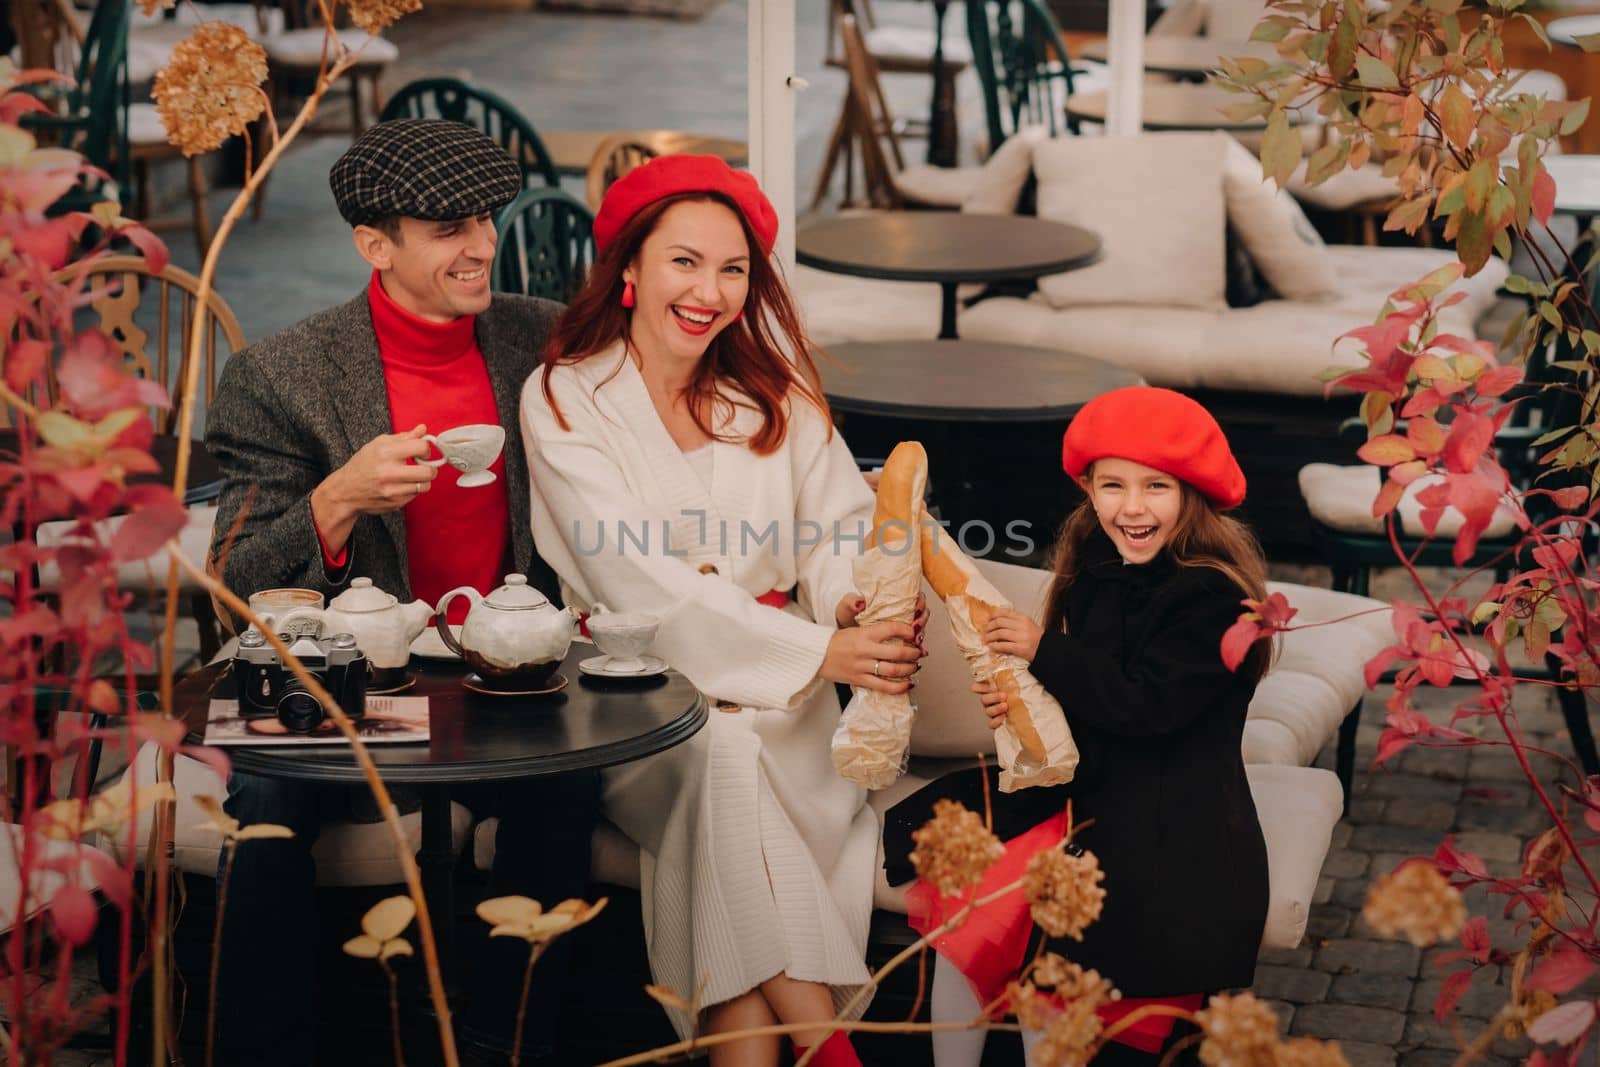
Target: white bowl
(623,636)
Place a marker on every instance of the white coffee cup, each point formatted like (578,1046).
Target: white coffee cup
(293,611)
(469,449)
(623,636)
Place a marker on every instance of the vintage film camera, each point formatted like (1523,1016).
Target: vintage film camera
(267,688)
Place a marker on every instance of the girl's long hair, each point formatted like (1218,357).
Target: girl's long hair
(1202,537)
(749,353)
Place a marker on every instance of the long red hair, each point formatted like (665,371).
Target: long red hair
(748,353)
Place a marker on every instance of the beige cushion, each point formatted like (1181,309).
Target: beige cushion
(42,883)
(838,308)
(138,575)
(1316,675)
(346,853)
(1184,18)
(1155,200)
(937,186)
(1344,190)
(1277,346)
(1276,234)
(1298,808)
(303,48)
(1003,175)
(913,44)
(1341,497)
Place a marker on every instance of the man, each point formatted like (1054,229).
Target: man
(319,432)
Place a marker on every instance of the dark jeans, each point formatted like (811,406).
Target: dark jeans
(270,937)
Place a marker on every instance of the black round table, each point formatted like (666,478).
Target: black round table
(948,247)
(990,416)
(205,476)
(474,738)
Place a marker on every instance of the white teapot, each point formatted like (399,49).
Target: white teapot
(383,627)
(514,637)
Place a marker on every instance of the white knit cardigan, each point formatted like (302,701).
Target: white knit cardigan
(757,859)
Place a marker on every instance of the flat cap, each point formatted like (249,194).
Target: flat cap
(428,169)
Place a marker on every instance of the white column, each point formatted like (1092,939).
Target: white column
(771,112)
(1125,58)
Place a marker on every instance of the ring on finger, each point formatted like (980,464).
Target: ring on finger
(876,665)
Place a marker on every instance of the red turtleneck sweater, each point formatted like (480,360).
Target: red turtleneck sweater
(435,375)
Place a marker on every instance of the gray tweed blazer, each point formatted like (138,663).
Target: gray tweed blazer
(293,408)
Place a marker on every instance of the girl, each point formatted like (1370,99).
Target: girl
(683,464)
(1149,574)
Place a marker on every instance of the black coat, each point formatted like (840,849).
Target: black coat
(1158,721)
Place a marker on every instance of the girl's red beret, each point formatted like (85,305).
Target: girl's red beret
(1161,429)
(667,176)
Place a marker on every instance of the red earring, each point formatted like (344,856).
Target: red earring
(627,295)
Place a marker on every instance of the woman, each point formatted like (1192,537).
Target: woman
(686,467)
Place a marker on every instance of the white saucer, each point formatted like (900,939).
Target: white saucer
(599,667)
(429,645)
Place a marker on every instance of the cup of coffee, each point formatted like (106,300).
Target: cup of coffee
(470,450)
(623,636)
(299,609)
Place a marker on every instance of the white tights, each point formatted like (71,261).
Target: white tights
(952,1000)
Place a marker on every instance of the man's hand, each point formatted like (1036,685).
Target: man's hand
(381,477)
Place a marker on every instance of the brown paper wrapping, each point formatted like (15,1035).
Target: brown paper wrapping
(873,740)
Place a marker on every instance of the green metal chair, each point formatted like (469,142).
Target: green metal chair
(546,245)
(456,100)
(93,117)
(1352,553)
(1022,65)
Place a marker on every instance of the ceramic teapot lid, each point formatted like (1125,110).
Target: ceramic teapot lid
(362,596)
(517,595)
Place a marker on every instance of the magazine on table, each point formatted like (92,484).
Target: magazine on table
(388,719)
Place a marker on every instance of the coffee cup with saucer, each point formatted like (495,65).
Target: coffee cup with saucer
(623,636)
(469,449)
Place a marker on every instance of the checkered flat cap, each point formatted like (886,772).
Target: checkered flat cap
(423,169)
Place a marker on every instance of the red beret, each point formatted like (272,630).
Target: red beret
(1161,429)
(667,176)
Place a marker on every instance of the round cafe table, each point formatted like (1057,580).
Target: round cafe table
(1577,180)
(474,738)
(950,248)
(1180,106)
(1186,57)
(980,408)
(1567,31)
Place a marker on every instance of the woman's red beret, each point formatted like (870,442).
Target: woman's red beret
(667,176)
(1161,429)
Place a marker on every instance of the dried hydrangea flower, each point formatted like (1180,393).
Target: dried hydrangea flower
(1309,1052)
(1069,1037)
(211,89)
(1052,970)
(1032,1008)
(1415,901)
(1240,1031)
(1064,892)
(954,848)
(375,16)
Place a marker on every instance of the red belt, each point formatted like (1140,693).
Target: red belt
(772,598)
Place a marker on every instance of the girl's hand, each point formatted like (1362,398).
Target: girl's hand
(993,701)
(881,656)
(1013,634)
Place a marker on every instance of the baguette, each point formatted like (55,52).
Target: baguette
(873,739)
(949,572)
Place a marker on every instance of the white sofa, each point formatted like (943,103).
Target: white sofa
(1316,678)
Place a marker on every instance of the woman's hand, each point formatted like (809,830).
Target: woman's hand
(1013,633)
(993,701)
(854,604)
(881,656)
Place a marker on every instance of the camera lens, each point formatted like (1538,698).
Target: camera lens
(298,710)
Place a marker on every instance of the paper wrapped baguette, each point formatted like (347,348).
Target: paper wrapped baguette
(873,740)
(1035,745)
